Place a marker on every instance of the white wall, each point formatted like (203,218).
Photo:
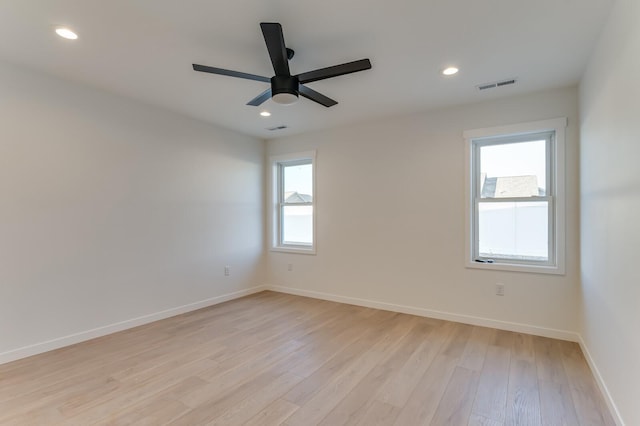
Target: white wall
(610,207)
(390,202)
(111,210)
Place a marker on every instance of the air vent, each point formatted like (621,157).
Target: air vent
(495,84)
(276,128)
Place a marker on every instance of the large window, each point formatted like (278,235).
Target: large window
(515,193)
(293,199)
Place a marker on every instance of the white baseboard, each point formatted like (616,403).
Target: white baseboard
(60,342)
(466,319)
(71,339)
(613,409)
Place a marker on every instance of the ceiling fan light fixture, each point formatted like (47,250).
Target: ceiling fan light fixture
(285,98)
(284,89)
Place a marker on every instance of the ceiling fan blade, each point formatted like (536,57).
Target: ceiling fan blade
(221,71)
(274,39)
(258,100)
(334,71)
(315,96)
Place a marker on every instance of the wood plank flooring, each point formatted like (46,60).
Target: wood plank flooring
(276,359)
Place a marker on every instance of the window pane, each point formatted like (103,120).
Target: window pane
(297,225)
(514,230)
(513,170)
(298,183)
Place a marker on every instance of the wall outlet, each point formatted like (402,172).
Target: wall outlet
(290,267)
(499,289)
(227,270)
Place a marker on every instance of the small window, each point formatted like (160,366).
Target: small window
(293,197)
(516,209)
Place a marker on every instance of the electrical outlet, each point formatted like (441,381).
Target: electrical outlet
(290,267)
(227,270)
(499,289)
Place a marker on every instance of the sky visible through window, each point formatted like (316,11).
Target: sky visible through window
(515,159)
(298,179)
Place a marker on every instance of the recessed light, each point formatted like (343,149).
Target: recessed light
(66,33)
(265,113)
(450,71)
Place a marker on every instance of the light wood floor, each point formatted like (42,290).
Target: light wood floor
(271,359)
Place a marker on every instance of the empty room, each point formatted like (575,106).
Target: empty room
(332,213)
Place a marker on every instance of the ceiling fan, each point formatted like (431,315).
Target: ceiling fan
(285,87)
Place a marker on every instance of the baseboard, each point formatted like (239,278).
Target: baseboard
(466,319)
(613,409)
(71,339)
(60,342)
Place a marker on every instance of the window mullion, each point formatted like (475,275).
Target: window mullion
(297,204)
(514,199)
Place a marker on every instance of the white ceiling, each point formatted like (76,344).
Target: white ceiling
(144,49)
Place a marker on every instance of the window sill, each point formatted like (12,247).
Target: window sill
(511,267)
(295,250)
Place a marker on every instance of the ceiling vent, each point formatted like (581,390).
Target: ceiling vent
(495,84)
(276,128)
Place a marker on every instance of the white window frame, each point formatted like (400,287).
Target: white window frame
(474,139)
(276,196)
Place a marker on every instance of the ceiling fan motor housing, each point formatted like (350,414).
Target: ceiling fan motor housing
(284,89)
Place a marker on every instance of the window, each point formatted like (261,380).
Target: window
(515,193)
(293,224)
